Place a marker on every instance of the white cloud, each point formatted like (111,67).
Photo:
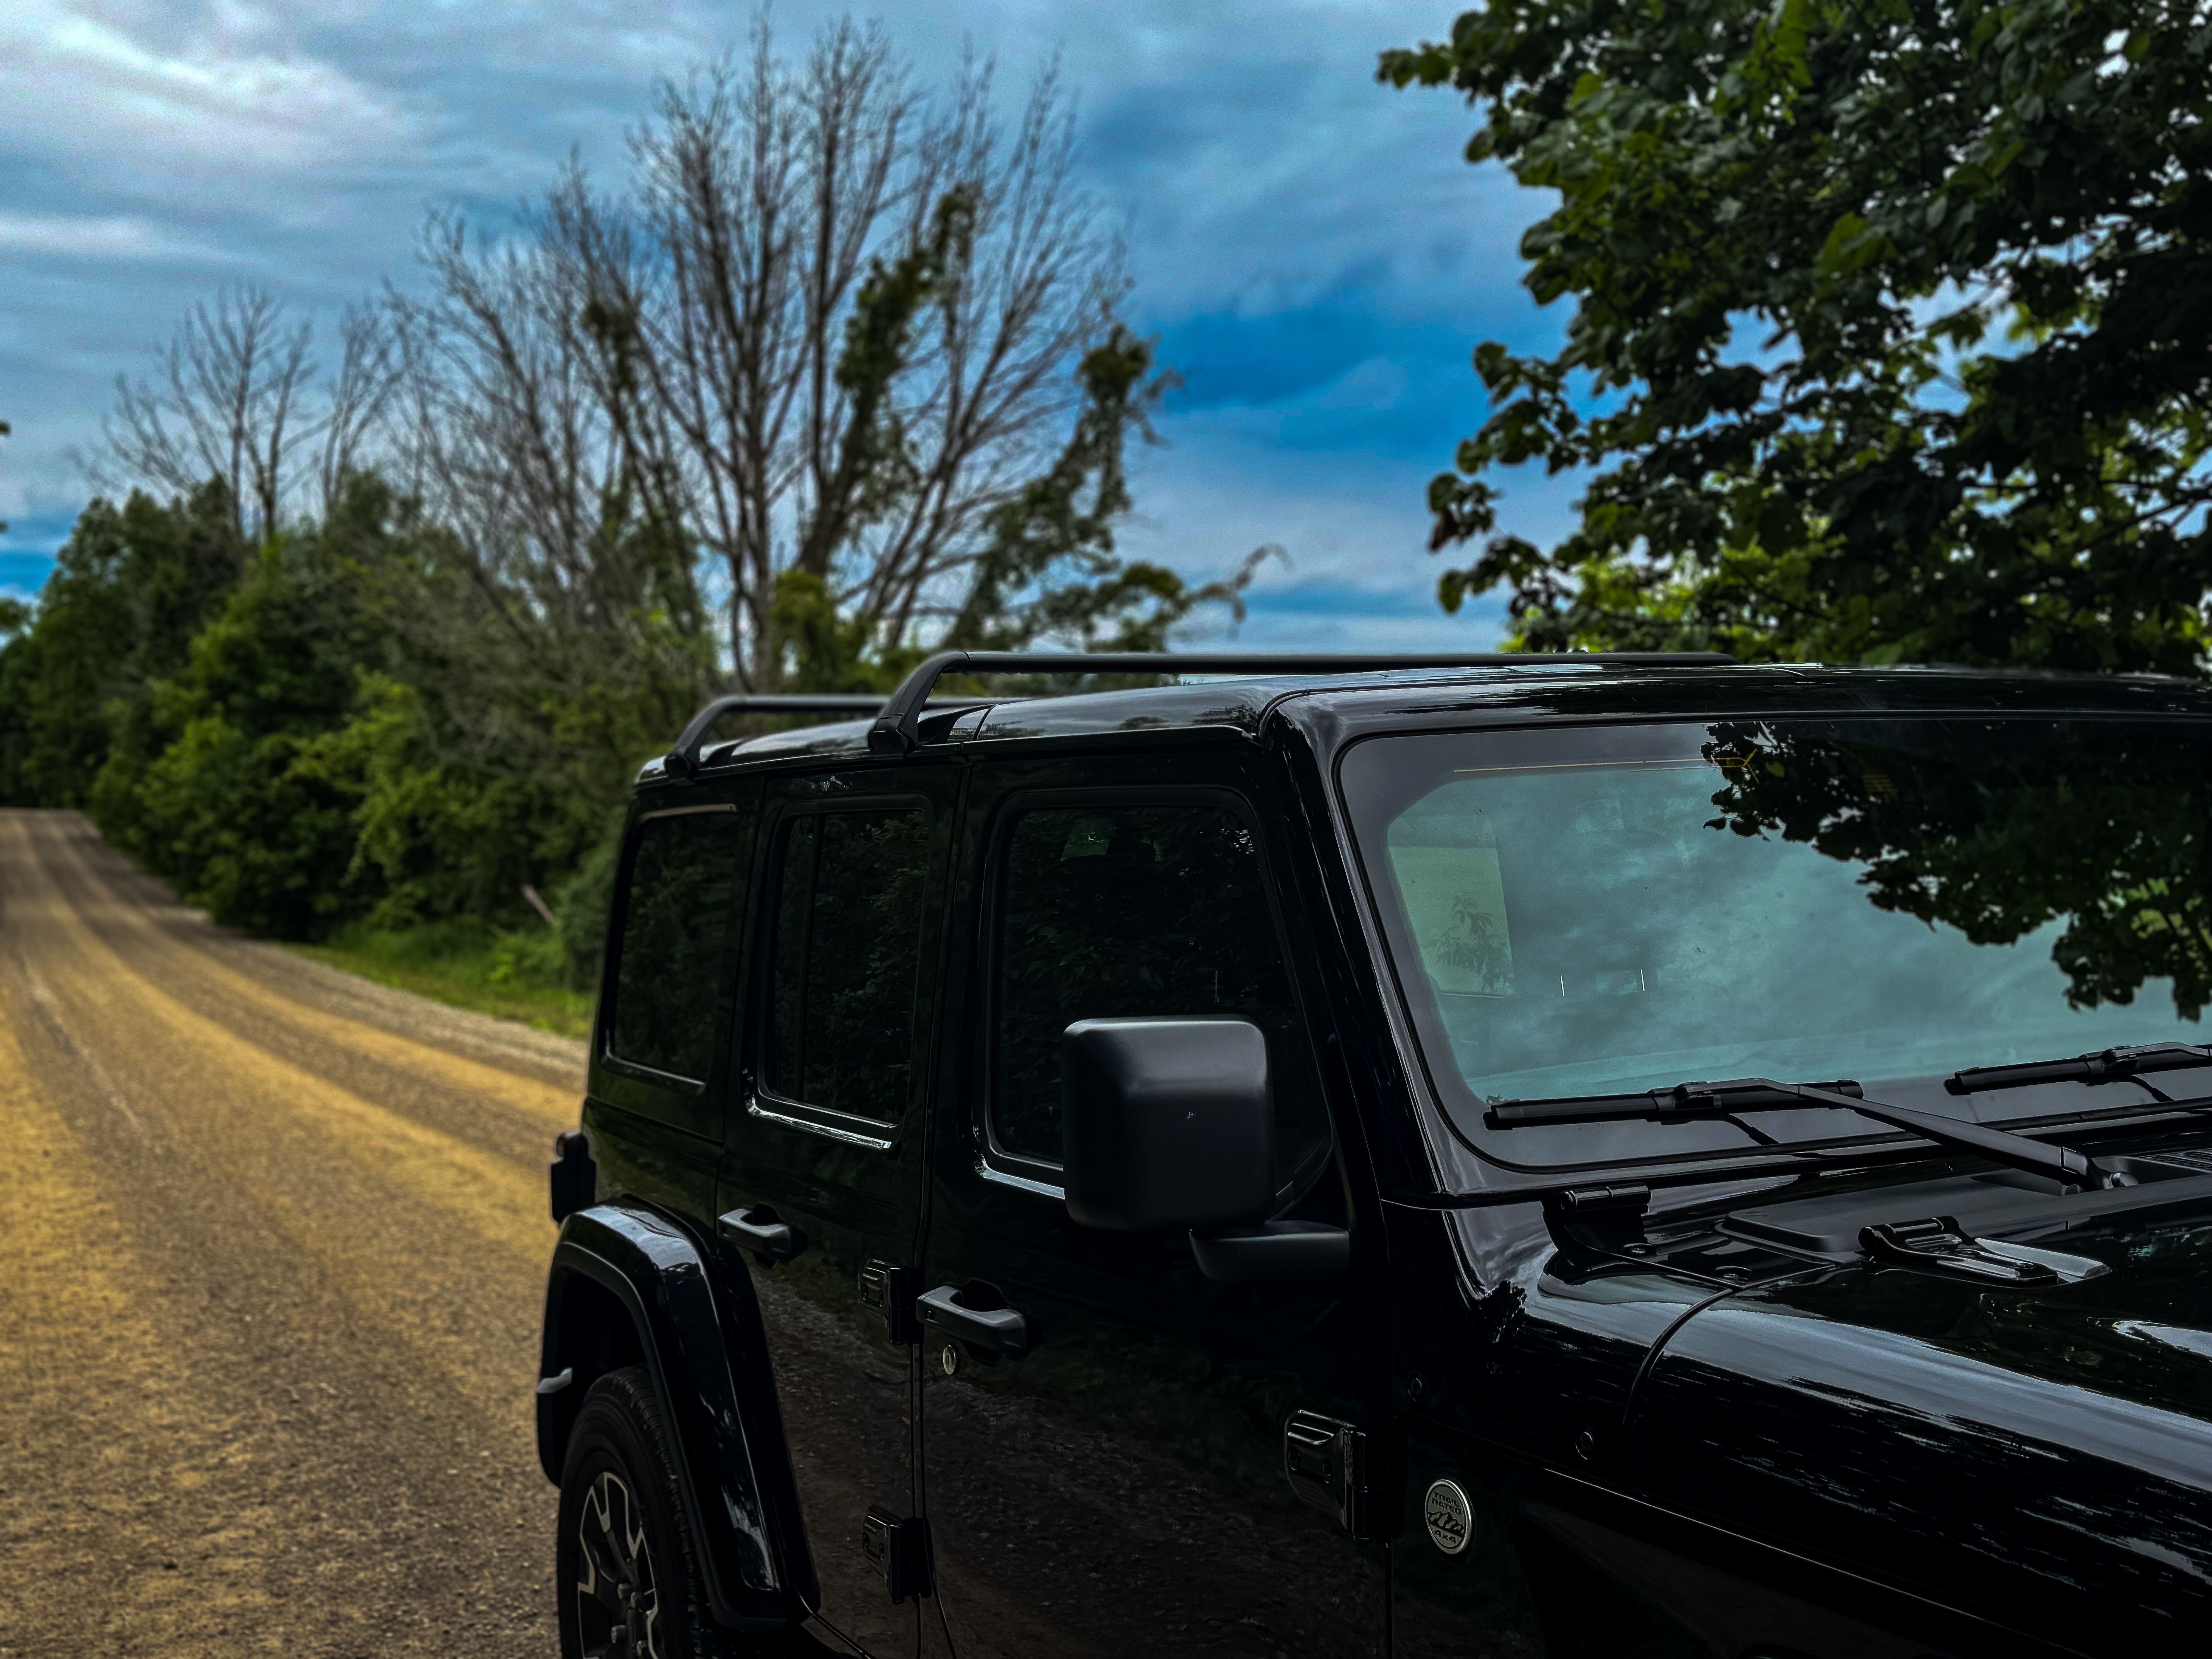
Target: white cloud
(183,96)
(99,237)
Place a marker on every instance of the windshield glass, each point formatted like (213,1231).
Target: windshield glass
(1603,909)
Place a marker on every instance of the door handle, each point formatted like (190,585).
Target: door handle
(758,1229)
(962,1313)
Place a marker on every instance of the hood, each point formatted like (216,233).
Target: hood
(2042,1458)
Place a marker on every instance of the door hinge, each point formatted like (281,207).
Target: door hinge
(899,1548)
(574,1176)
(892,1292)
(1606,1219)
(1327,1462)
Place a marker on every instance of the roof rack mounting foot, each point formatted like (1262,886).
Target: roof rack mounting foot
(682,760)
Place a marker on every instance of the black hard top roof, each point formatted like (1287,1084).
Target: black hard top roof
(1336,708)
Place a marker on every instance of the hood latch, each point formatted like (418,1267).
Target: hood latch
(1939,1245)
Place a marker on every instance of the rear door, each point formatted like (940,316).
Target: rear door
(825,1142)
(661,1041)
(1121,1488)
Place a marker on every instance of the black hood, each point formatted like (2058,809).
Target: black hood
(2042,1458)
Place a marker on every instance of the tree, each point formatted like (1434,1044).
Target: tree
(131,588)
(201,784)
(234,396)
(836,331)
(1892,336)
(837,377)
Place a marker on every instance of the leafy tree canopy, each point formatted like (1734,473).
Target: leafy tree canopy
(1893,336)
(131,587)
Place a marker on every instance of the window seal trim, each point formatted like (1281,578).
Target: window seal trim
(847,1137)
(991,1172)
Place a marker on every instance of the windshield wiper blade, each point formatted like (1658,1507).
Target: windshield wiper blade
(2110,1066)
(1691,1101)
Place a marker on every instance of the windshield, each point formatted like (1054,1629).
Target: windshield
(1597,911)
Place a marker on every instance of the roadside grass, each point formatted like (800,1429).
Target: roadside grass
(512,976)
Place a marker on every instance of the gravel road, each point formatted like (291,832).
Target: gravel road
(272,1249)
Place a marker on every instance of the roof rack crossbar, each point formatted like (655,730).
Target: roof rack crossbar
(895,730)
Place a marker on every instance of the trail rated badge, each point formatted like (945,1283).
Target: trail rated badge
(1450,1517)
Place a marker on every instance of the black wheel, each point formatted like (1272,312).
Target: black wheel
(626,1565)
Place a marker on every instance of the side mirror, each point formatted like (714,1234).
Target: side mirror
(1166,1123)
(1170,1124)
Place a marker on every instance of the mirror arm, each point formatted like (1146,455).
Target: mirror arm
(1309,1253)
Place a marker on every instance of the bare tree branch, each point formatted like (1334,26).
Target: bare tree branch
(789,421)
(357,398)
(224,403)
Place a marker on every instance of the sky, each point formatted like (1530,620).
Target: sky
(1316,255)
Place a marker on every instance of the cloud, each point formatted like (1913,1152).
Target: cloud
(182,95)
(99,237)
(184,105)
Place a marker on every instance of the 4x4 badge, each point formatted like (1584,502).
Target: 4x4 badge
(1450,1517)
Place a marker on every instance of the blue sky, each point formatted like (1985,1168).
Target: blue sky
(1313,252)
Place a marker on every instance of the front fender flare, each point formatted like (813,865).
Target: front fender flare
(684,1304)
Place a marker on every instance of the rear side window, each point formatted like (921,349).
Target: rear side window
(1115,912)
(679,922)
(847,960)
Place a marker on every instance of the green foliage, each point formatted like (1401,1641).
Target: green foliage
(433,835)
(131,588)
(279,745)
(876,468)
(215,792)
(1892,336)
(1049,568)
(521,974)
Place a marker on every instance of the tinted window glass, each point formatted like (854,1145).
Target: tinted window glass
(848,959)
(679,920)
(1106,913)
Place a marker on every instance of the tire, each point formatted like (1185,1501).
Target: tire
(626,1566)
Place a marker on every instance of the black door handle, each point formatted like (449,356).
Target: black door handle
(956,1311)
(758,1229)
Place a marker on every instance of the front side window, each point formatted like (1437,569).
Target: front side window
(845,960)
(1114,912)
(679,922)
(1606,910)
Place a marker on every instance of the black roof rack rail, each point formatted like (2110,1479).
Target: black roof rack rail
(894,730)
(682,760)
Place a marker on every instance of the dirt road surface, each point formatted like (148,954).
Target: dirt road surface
(272,1248)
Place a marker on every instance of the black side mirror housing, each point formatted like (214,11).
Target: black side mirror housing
(1166,1123)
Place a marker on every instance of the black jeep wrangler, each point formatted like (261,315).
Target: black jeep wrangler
(1569,1155)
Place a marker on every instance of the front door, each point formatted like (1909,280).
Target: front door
(823,1166)
(1119,1485)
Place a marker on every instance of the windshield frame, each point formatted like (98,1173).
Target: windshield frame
(1491,1147)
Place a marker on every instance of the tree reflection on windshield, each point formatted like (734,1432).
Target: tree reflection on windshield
(2003,828)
